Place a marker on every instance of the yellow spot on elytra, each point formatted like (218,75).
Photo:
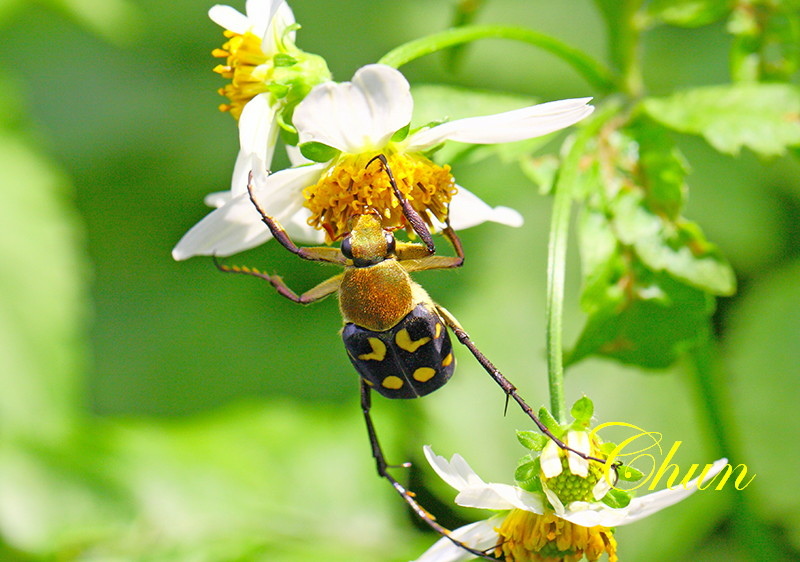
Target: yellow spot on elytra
(438,331)
(404,341)
(349,185)
(447,360)
(424,374)
(369,382)
(392,382)
(378,350)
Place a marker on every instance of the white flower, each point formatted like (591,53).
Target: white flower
(261,88)
(527,513)
(354,121)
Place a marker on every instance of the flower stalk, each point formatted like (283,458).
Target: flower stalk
(590,69)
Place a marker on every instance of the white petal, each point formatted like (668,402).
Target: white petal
(578,440)
(456,472)
(518,124)
(298,229)
(217,199)
(227,17)
(554,500)
(236,225)
(591,514)
(651,503)
(480,535)
(550,460)
(499,497)
(468,210)
(296,157)
(258,130)
(356,116)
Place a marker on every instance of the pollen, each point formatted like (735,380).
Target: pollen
(349,187)
(246,66)
(525,536)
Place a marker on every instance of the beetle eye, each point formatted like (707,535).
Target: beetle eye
(390,245)
(347,249)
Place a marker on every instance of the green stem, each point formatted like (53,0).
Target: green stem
(590,69)
(557,258)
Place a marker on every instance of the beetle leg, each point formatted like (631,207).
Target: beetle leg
(408,496)
(412,216)
(503,382)
(319,253)
(327,287)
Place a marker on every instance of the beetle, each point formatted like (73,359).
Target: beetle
(394,334)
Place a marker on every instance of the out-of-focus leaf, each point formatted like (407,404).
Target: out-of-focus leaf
(435,103)
(766,35)
(763,357)
(649,274)
(636,316)
(762,117)
(688,13)
(117,21)
(41,298)
(583,410)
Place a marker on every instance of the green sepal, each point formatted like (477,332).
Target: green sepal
(401,134)
(583,410)
(617,498)
(607,448)
(550,422)
(629,474)
(284,60)
(318,152)
(532,440)
(527,474)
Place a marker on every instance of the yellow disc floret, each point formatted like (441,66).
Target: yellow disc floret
(246,67)
(525,536)
(349,186)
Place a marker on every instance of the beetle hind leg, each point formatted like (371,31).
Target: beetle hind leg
(408,496)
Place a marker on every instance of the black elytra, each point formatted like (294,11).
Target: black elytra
(411,359)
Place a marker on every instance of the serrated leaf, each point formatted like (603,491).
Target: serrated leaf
(583,410)
(635,315)
(688,13)
(677,247)
(762,117)
(532,440)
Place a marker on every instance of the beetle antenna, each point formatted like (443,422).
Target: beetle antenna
(412,216)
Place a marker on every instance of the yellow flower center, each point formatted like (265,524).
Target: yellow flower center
(529,537)
(245,67)
(349,187)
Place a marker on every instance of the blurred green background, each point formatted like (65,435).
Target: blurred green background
(154,410)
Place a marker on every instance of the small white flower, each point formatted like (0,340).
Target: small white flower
(261,88)
(526,515)
(357,120)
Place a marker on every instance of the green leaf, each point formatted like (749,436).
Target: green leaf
(765,41)
(677,247)
(532,440)
(318,152)
(617,498)
(762,117)
(583,410)
(688,13)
